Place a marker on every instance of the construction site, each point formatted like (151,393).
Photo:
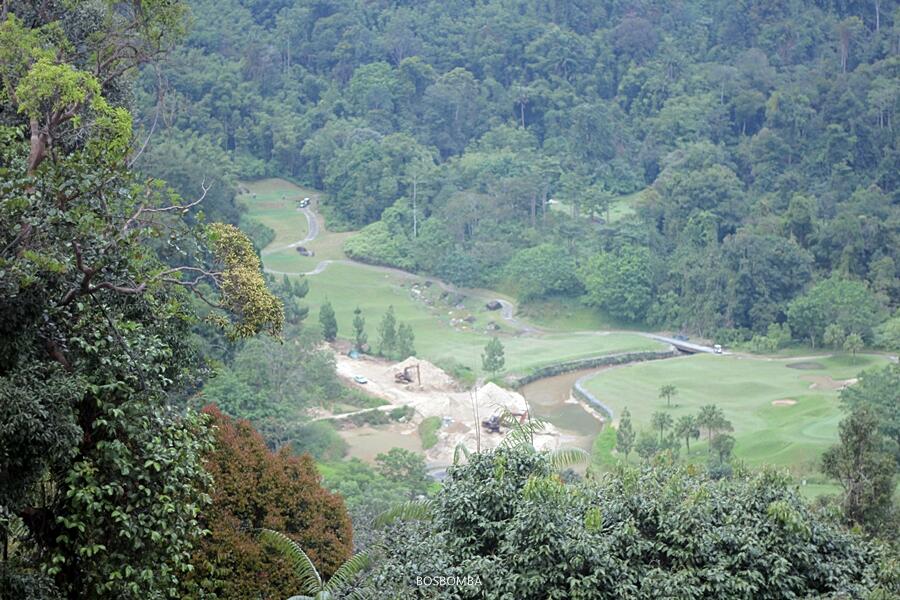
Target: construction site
(469,417)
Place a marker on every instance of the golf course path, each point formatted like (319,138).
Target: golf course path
(347,415)
(312,232)
(507,308)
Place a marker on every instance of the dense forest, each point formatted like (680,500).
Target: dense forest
(701,165)
(721,168)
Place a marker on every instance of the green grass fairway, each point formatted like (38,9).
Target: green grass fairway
(437,338)
(273,202)
(348,286)
(791,436)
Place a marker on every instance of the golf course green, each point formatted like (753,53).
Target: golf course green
(785,412)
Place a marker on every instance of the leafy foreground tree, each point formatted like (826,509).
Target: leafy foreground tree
(101,482)
(879,389)
(863,463)
(305,571)
(493,359)
(504,526)
(257,488)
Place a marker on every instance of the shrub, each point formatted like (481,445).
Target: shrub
(256,488)
(428,429)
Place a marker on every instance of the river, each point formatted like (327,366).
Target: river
(551,399)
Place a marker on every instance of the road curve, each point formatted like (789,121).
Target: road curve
(312,232)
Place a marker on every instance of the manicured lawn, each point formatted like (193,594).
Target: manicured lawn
(788,435)
(273,202)
(349,286)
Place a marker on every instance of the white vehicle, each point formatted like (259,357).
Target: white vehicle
(717,348)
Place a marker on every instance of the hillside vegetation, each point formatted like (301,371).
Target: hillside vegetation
(762,139)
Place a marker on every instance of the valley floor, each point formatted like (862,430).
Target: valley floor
(785,411)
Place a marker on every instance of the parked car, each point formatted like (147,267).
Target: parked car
(360,379)
(304,203)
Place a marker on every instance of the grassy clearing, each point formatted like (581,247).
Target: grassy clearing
(273,202)
(428,429)
(437,338)
(570,314)
(619,208)
(787,435)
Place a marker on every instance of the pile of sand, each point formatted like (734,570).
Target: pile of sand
(440,396)
(433,377)
(824,382)
(492,399)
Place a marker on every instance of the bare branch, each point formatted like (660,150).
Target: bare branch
(160,97)
(183,207)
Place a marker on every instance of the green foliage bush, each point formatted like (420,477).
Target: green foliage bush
(320,440)
(374,244)
(505,519)
(542,271)
(428,429)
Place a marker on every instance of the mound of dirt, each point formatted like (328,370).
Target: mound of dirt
(493,398)
(806,366)
(784,402)
(824,382)
(433,378)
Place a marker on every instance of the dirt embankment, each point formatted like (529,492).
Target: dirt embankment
(438,395)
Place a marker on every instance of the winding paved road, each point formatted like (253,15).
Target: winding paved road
(312,232)
(507,310)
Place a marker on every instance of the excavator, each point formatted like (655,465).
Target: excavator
(404,377)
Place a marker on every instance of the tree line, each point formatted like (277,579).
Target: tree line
(708,168)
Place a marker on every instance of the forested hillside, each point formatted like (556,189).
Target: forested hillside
(697,165)
(761,139)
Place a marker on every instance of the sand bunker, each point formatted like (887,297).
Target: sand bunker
(439,396)
(784,402)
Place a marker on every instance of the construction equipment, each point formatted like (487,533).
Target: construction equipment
(405,376)
(492,424)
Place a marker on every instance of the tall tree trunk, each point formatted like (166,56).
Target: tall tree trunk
(533,210)
(415,218)
(39,142)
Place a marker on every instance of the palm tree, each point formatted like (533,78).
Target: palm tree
(687,428)
(313,586)
(661,421)
(712,419)
(667,391)
(521,435)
